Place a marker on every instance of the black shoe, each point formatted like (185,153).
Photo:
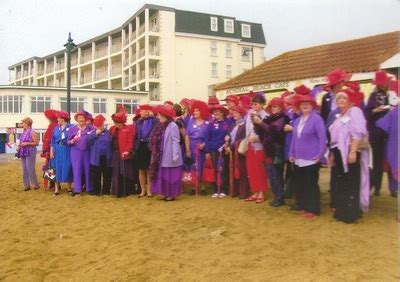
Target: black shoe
(203,192)
(277,203)
(294,208)
(27,189)
(94,193)
(162,198)
(377,192)
(393,194)
(56,194)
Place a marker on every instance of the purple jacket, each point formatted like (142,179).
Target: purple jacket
(100,145)
(82,143)
(312,142)
(172,154)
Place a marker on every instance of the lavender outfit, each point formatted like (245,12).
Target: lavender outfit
(28,160)
(80,157)
(168,181)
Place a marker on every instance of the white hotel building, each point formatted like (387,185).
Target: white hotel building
(169,53)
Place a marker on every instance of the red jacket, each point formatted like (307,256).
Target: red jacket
(47,136)
(125,139)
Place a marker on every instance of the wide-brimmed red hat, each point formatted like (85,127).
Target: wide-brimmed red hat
(169,102)
(165,111)
(354,85)
(80,114)
(232,98)
(240,109)
(276,102)
(185,102)
(252,94)
(304,99)
(381,78)
(302,90)
(336,76)
(202,107)
(64,115)
(245,101)
(146,107)
(221,108)
(213,101)
(286,94)
(98,121)
(394,86)
(51,114)
(119,117)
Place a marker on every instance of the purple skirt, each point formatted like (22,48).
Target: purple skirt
(168,182)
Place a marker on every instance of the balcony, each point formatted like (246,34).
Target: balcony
(25,73)
(133,58)
(154,28)
(141,53)
(141,75)
(115,70)
(100,53)
(115,48)
(126,41)
(50,68)
(141,29)
(18,76)
(100,74)
(154,51)
(133,79)
(133,35)
(40,71)
(85,58)
(60,66)
(154,94)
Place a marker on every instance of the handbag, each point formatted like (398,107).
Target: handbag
(49,174)
(189,176)
(243,146)
(209,172)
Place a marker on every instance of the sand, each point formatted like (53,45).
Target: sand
(196,238)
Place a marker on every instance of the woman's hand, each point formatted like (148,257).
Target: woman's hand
(201,146)
(188,154)
(292,159)
(257,119)
(352,157)
(125,154)
(288,128)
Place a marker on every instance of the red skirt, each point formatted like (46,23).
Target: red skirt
(256,171)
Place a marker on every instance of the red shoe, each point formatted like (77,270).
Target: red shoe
(301,212)
(250,199)
(260,200)
(309,215)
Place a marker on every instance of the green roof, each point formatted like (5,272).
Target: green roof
(200,23)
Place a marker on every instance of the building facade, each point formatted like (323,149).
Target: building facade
(17,102)
(169,53)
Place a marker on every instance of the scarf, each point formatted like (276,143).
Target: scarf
(155,146)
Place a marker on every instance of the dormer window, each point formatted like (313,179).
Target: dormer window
(214,23)
(228,26)
(246,30)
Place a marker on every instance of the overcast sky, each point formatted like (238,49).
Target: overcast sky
(39,27)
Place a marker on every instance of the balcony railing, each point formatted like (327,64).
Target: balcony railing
(60,66)
(133,35)
(50,68)
(133,58)
(154,52)
(101,74)
(126,42)
(133,79)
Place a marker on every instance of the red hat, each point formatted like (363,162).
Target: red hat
(98,121)
(240,109)
(119,117)
(276,102)
(146,107)
(381,78)
(64,115)
(80,114)
(245,101)
(202,107)
(51,114)
(213,101)
(336,76)
(302,90)
(286,94)
(220,108)
(304,98)
(252,94)
(165,111)
(394,86)
(354,85)
(169,102)
(355,97)
(185,101)
(232,98)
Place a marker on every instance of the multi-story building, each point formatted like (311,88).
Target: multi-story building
(167,52)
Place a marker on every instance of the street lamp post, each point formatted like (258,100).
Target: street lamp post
(70,45)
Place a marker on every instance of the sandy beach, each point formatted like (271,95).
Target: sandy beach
(197,238)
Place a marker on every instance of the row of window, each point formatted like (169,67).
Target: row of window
(214,70)
(229,27)
(228,50)
(14,104)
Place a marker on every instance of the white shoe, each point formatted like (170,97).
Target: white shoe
(215,195)
(221,195)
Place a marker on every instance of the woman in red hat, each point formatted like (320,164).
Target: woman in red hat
(142,154)
(197,132)
(349,159)
(335,82)
(307,149)
(377,107)
(78,137)
(186,116)
(236,134)
(51,116)
(218,128)
(166,156)
(255,157)
(60,152)
(271,132)
(100,157)
(122,138)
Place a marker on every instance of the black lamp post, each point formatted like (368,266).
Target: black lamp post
(70,45)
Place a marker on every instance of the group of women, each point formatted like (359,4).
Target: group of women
(239,149)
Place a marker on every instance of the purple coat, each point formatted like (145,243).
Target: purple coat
(172,153)
(312,142)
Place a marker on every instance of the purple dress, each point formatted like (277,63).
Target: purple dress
(80,157)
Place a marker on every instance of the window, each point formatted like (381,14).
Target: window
(40,104)
(77,104)
(228,50)
(214,23)
(228,71)
(246,30)
(246,53)
(214,71)
(99,105)
(228,26)
(11,104)
(214,49)
(129,104)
